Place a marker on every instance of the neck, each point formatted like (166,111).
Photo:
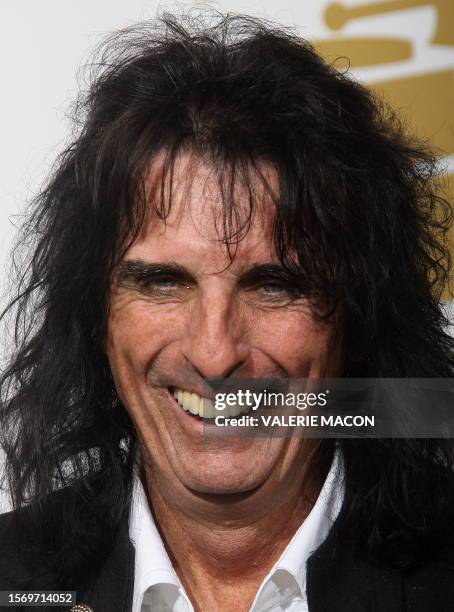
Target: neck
(222,546)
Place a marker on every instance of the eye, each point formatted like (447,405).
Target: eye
(165,287)
(274,287)
(278,291)
(160,282)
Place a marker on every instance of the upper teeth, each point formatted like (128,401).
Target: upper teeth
(204,407)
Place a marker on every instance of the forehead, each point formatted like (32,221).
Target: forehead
(209,211)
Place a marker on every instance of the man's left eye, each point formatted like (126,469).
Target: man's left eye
(274,288)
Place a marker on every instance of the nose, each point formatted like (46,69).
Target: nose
(214,342)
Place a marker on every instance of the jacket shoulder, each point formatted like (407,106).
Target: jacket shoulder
(431,587)
(22,564)
(18,567)
(340,579)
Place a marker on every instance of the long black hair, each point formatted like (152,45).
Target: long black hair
(356,213)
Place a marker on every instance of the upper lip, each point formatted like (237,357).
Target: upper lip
(203,389)
(206,391)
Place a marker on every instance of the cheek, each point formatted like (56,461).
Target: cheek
(296,341)
(135,335)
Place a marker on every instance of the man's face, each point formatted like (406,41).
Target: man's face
(182,312)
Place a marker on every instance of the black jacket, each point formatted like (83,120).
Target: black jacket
(337,579)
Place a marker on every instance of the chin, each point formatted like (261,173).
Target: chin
(227,477)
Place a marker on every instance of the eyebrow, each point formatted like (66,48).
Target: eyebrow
(137,270)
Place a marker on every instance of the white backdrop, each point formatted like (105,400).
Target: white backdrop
(43,43)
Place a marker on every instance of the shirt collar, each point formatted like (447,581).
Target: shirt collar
(316,526)
(152,563)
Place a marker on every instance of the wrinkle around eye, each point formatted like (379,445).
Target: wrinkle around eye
(283,299)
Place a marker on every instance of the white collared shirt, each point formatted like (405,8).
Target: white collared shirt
(157,587)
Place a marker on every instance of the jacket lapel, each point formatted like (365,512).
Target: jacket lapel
(114,585)
(339,580)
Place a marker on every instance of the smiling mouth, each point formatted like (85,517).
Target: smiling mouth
(203,407)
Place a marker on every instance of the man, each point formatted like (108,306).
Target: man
(232,208)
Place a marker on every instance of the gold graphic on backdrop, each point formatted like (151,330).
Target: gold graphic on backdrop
(337,15)
(427,103)
(424,100)
(446,190)
(367,51)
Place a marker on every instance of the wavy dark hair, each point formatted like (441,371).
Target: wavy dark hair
(357,217)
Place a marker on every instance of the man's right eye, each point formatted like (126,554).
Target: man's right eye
(164,287)
(164,282)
